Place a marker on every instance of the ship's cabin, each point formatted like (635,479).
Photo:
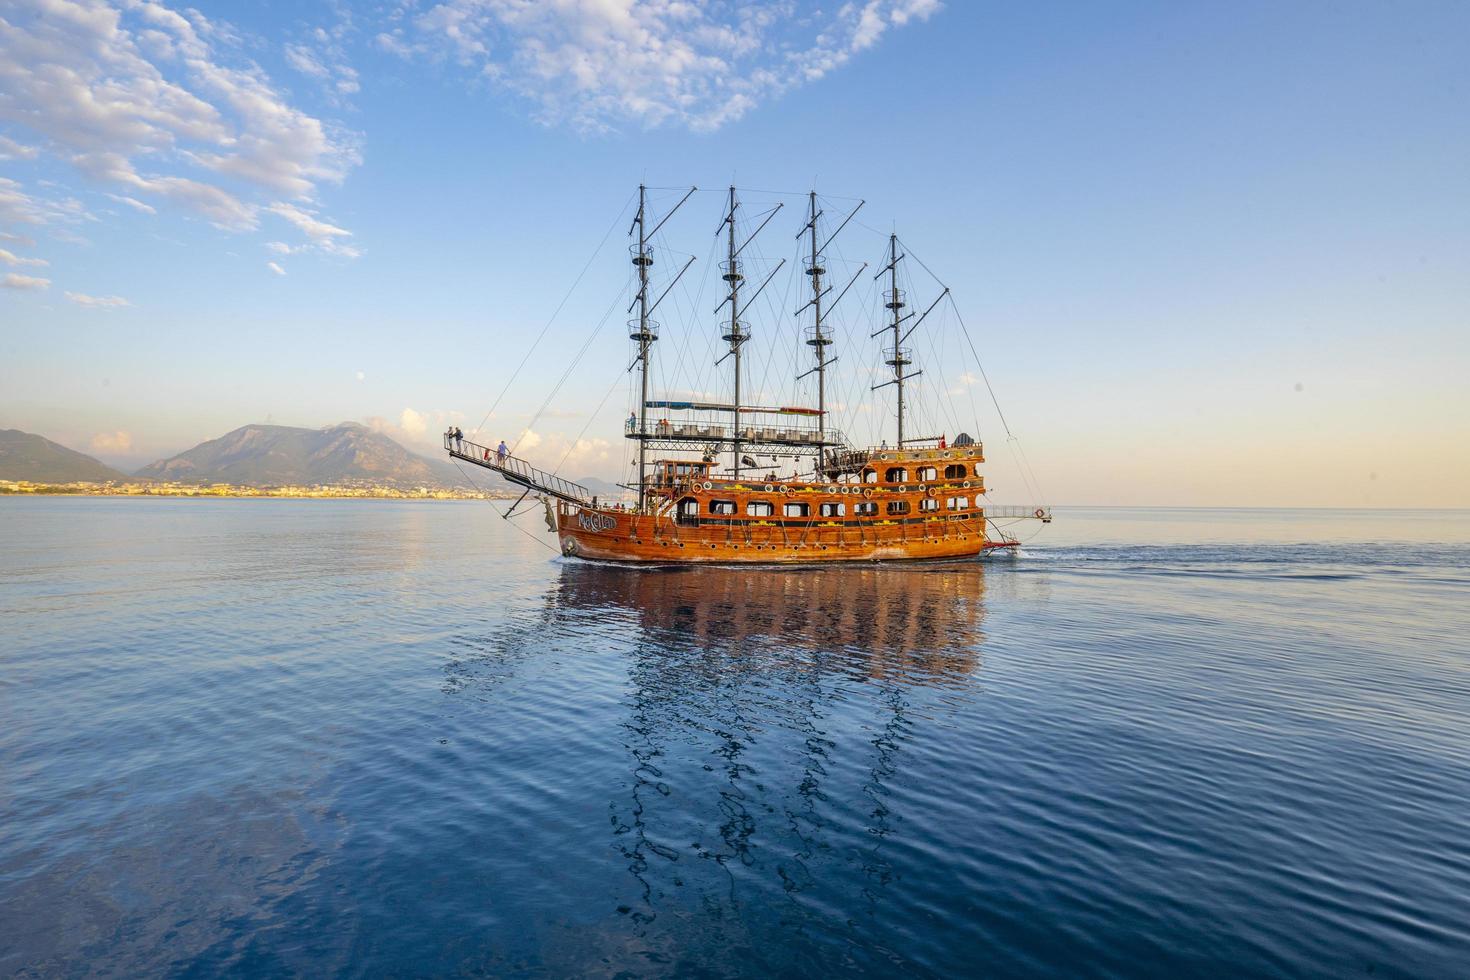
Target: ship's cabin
(677,472)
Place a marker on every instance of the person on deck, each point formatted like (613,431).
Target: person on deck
(942,444)
(501,451)
(632,421)
(458,438)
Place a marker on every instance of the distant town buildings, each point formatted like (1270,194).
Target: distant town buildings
(161,489)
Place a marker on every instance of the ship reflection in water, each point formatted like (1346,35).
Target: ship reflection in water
(763,726)
(916,624)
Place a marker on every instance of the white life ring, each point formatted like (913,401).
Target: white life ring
(710,486)
(768,488)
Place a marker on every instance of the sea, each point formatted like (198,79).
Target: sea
(404,738)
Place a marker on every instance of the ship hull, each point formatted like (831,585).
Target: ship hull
(626,537)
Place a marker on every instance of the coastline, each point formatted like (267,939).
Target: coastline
(323,492)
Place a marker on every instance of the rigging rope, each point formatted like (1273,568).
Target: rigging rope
(1028,475)
(557,312)
(571,366)
(471,480)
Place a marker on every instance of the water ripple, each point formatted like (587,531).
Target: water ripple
(391,738)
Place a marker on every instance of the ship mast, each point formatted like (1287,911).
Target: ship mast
(898,356)
(642,259)
(645,330)
(737,335)
(818,341)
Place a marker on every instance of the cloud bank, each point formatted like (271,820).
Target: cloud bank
(162,106)
(598,64)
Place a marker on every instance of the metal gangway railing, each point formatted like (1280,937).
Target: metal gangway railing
(1017,512)
(518,471)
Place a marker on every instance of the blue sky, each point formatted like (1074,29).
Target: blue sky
(1209,253)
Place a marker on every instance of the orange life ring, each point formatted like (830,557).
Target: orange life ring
(1040,512)
(787,491)
(867,491)
(929,492)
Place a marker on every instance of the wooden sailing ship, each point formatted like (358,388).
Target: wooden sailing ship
(921,499)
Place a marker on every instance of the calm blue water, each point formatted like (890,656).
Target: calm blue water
(371,738)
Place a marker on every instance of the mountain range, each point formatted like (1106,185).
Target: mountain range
(262,456)
(278,455)
(252,455)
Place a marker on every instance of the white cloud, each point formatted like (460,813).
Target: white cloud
(97,302)
(11,150)
(161,104)
(312,226)
(11,259)
(300,57)
(361,376)
(323,234)
(412,422)
(322,55)
(965,380)
(276,268)
(133,203)
(113,442)
(595,64)
(18,207)
(15,280)
(415,427)
(559,452)
(281,248)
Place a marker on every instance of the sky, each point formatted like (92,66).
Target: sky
(1205,254)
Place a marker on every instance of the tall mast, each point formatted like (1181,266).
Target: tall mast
(737,335)
(642,259)
(818,339)
(894,302)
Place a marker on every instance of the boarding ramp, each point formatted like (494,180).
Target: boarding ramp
(1008,512)
(518,471)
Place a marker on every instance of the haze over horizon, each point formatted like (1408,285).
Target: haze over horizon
(1209,256)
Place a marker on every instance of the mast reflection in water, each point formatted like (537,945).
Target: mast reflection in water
(764,721)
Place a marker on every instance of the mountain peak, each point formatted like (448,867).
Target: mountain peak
(26,456)
(282,455)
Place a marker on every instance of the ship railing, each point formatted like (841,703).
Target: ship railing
(518,471)
(1018,512)
(850,460)
(699,432)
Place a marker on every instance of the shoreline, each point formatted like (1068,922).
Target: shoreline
(30,488)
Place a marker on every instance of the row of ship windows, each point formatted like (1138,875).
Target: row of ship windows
(866,508)
(900,474)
